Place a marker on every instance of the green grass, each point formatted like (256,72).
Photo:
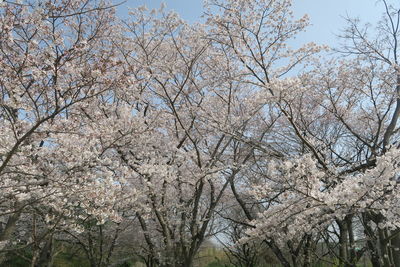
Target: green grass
(208,257)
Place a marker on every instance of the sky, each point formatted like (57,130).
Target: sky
(326,16)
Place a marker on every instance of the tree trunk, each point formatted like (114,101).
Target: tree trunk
(307,248)
(45,258)
(384,248)
(396,248)
(352,249)
(278,253)
(7,231)
(372,242)
(9,228)
(343,243)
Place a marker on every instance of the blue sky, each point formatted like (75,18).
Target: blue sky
(326,15)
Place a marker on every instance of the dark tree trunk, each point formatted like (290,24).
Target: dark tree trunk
(343,243)
(46,254)
(396,248)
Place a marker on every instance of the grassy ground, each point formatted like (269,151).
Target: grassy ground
(209,257)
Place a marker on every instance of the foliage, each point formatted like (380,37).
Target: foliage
(142,139)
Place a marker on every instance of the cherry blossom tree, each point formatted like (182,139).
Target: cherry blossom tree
(160,129)
(59,63)
(342,171)
(197,114)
